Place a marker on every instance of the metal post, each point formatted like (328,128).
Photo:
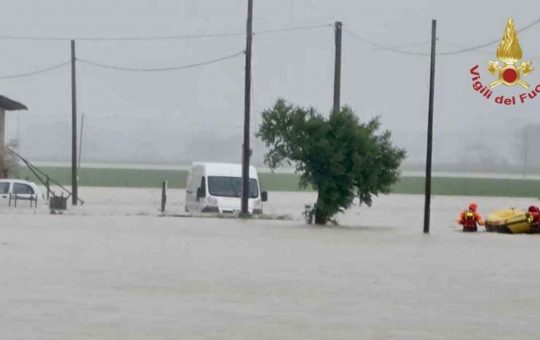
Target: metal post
(337,67)
(74,179)
(427,207)
(246,151)
(48,185)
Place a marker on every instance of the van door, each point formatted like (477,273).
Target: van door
(4,194)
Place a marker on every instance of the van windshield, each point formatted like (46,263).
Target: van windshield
(231,186)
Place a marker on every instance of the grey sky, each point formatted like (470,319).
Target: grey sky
(189,114)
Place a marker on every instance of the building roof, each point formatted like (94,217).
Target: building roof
(11,105)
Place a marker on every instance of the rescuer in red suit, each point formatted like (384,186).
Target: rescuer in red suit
(534,211)
(470,218)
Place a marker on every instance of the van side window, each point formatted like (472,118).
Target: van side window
(4,188)
(22,189)
(203,186)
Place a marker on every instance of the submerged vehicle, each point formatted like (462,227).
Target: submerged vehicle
(510,221)
(16,192)
(217,188)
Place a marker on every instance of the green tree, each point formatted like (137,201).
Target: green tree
(339,156)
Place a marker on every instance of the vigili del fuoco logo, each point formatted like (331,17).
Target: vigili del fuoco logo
(509,70)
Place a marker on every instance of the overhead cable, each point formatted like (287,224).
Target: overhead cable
(97,39)
(160,38)
(290,29)
(158,69)
(36,72)
(489,43)
(461,50)
(383,47)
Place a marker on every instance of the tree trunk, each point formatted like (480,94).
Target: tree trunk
(321,216)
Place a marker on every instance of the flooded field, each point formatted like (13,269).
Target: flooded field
(116,269)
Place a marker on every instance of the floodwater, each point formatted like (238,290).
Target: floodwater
(116,269)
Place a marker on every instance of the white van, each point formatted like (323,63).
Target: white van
(19,193)
(217,187)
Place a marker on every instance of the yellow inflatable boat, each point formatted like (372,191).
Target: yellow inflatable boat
(510,221)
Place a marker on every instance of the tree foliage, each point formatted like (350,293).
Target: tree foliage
(339,156)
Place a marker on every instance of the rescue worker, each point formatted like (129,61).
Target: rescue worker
(534,213)
(470,218)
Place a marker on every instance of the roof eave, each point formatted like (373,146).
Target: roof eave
(11,105)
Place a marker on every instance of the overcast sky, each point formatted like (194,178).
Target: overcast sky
(197,113)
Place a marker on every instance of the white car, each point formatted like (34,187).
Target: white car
(19,193)
(216,187)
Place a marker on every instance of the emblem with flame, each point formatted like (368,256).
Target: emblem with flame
(509,68)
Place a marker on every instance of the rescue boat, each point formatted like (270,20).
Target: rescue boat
(509,221)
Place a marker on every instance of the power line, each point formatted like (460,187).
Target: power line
(489,43)
(408,45)
(383,47)
(461,50)
(101,39)
(33,73)
(159,69)
(120,68)
(459,46)
(290,29)
(161,38)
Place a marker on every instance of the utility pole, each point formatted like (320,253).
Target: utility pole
(525,151)
(427,207)
(337,68)
(246,151)
(74,184)
(80,141)
(3,166)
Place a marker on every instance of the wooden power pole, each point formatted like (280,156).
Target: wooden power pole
(74,180)
(3,173)
(246,151)
(427,206)
(80,141)
(337,69)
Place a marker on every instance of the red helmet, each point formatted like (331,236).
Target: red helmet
(533,208)
(473,206)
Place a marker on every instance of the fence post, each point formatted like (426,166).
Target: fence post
(164,196)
